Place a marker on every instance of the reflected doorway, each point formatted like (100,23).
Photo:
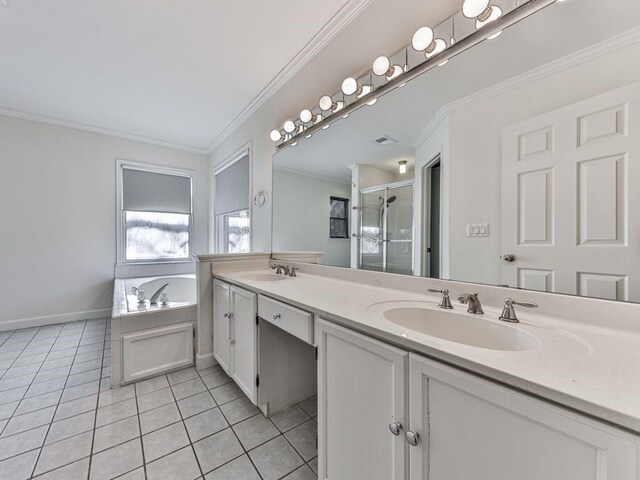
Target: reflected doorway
(432,218)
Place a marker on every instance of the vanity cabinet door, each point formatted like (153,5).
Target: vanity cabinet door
(474,428)
(222,325)
(361,391)
(244,340)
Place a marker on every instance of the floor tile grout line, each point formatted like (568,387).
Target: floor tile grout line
(184,425)
(16,359)
(27,390)
(35,465)
(95,415)
(144,460)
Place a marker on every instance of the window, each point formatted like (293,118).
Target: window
(156,215)
(339,218)
(231,206)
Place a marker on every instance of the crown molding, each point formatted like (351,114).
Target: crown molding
(10,112)
(585,55)
(335,25)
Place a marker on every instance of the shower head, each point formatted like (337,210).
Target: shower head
(391,200)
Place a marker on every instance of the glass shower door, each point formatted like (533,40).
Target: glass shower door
(399,230)
(371,232)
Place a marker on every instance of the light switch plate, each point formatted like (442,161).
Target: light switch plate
(477,230)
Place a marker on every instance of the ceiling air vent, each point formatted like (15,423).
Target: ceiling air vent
(384,140)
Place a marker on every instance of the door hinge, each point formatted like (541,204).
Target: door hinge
(257,380)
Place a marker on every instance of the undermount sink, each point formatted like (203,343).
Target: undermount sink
(263,277)
(463,328)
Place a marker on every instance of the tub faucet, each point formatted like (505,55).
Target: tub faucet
(154,298)
(473,301)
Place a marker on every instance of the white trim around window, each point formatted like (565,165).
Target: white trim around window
(120,217)
(247,149)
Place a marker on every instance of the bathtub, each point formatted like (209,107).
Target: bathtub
(148,340)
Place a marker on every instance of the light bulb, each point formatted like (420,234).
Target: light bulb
(382,66)
(326,126)
(349,86)
(439,45)
(308,136)
(306,116)
(275,135)
(442,64)
(422,39)
(327,103)
(496,13)
(294,144)
(289,126)
(402,166)
(476,9)
(372,102)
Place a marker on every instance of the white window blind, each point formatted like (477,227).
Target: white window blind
(145,191)
(232,188)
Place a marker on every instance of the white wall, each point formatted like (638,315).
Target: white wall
(473,163)
(301,215)
(58,231)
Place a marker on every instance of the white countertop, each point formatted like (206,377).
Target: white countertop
(591,369)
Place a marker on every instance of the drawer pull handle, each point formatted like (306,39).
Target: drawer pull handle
(276,316)
(413,438)
(395,428)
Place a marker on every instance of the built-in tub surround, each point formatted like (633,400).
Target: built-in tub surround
(150,339)
(579,353)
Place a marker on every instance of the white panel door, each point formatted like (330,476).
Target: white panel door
(475,429)
(244,340)
(361,391)
(570,197)
(222,325)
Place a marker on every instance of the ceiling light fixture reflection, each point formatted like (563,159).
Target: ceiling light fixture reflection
(382,67)
(402,166)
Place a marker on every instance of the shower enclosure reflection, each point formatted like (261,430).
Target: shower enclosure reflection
(385,243)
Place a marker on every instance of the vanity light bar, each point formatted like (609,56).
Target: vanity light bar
(489,24)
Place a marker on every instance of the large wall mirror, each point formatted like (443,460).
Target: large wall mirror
(517,164)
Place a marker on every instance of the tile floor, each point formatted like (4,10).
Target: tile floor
(60,420)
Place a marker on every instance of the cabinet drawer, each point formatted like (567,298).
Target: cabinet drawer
(290,319)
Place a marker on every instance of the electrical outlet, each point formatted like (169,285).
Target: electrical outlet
(477,230)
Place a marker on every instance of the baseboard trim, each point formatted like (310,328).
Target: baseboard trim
(205,361)
(53,319)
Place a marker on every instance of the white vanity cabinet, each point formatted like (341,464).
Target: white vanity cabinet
(361,392)
(235,334)
(466,427)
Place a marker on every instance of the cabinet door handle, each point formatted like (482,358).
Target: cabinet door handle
(276,316)
(395,428)
(413,438)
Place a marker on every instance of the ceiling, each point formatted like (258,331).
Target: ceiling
(403,114)
(172,72)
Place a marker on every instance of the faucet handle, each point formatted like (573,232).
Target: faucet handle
(292,271)
(445,301)
(509,312)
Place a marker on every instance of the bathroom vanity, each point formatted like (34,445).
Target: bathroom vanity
(393,402)
(506,172)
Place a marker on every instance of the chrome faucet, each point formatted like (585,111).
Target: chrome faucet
(445,301)
(473,301)
(281,269)
(154,298)
(509,312)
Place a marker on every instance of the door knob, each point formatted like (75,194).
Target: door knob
(276,316)
(395,428)
(413,438)
(508,257)
(226,315)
